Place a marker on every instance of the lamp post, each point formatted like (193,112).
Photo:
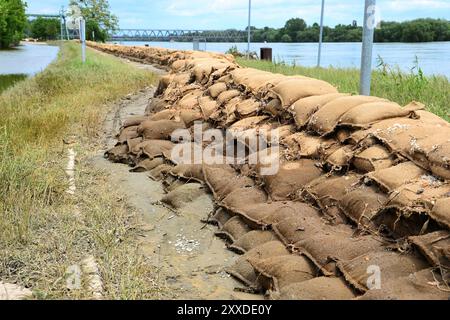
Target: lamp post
(319,56)
(248,30)
(367,47)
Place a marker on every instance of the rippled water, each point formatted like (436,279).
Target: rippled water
(27,59)
(433,57)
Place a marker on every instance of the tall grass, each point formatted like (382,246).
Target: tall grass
(39,236)
(9,80)
(387,82)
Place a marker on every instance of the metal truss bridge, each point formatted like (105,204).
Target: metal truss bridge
(177,35)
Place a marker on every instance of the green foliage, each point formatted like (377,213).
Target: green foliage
(10,80)
(12,22)
(94,32)
(45,29)
(98,16)
(420,30)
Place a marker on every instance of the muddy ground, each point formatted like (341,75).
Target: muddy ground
(191,260)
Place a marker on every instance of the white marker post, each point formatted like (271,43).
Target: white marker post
(367,46)
(319,56)
(83,39)
(248,31)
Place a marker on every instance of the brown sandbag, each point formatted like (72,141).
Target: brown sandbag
(190,172)
(155,105)
(273,108)
(435,247)
(189,117)
(240,197)
(374,158)
(291,90)
(275,273)
(127,134)
(183,195)
(263,215)
(189,100)
(220,217)
(368,113)
(394,177)
(226,96)
(159,130)
(134,121)
(341,158)
(118,154)
(290,178)
(147,164)
(439,160)
(327,118)
(216,89)
(303,109)
(207,106)
(233,229)
(252,240)
(168,114)
(248,107)
(158,173)
(321,288)
(133,145)
(305,145)
(243,270)
(223,179)
(247,123)
(362,205)
(156,148)
(423,285)
(325,250)
(441,212)
(392,266)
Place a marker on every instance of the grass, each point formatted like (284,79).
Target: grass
(44,231)
(387,82)
(10,80)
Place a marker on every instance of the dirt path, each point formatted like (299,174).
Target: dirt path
(190,258)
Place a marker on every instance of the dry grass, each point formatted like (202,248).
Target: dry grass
(44,230)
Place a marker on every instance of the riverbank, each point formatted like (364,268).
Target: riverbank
(389,83)
(57,214)
(9,80)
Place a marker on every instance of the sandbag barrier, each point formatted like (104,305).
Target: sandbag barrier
(359,207)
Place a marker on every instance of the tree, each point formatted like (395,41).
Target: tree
(294,25)
(12,22)
(98,16)
(286,38)
(45,29)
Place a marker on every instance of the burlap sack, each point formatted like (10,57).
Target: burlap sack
(248,107)
(327,191)
(321,288)
(341,158)
(216,89)
(327,118)
(305,145)
(435,247)
(188,117)
(275,273)
(392,178)
(273,108)
(159,130)
(439,160)
(240,197)
(362,205)
(392,266)
(303,109)
(134,121)
(263,215)
(168,114)
(325,250)
(133,146)
(128,133)
(226,96)
(244,271)
(233,229)
(183,195)
(207,106)
(441,212)
(147,165)
(189,100)
(290,178)
(220,217)
(118,154)
(159,173)
(252,240)
(155,148)
(247,123)
(189,172)
(374,158)
(291,90)
(368,113)
(423,285)
(155,105)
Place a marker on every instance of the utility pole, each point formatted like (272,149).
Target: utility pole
(61,17)
(319,56)
(367,47)
(83,39)
(248,31)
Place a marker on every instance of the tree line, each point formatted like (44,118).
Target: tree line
(12,22)
(296,30)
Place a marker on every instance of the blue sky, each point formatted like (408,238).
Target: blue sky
(222,14)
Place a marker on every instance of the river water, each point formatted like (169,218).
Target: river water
(27,59)
(433,57)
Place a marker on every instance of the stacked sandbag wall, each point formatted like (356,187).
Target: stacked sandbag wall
(359,206)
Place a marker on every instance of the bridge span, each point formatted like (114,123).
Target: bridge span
(177,35)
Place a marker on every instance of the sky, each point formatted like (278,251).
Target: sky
(224,14)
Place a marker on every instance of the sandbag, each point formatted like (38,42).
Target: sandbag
(303,109)
(118,154)
(321,288)
(220,217)
(183,195)
(134,121)
(168,114)
(155,148)
(252,240)
(275,273)
(325,250)
(374,158)
(158,173)
(233,229)
(147,164)
(189,117)
(244,271)
(291,178)
(190,172)
(291,90)
(226,96)
(133,145)
(423,285)
(305,145)
(392,266)
(341,158)
(159,130)
(128,133)
(216,89)
(273,108)
(439,160)
(362,205)
(435,247)
(243,196)
(441,212)
(248,107)
(207,106)
(392,178)
(327,118)
(155,105)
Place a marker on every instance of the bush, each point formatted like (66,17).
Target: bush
(12,22)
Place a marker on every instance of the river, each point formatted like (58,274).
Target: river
(27,58)
(433,57)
